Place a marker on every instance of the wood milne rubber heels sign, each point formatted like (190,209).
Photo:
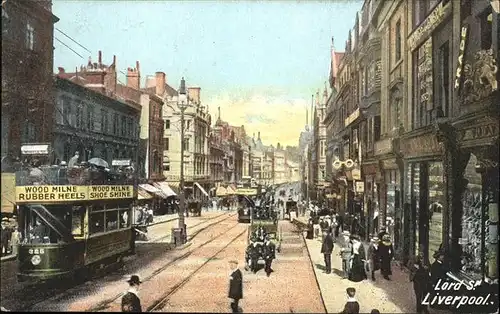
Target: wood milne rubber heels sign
(71,193)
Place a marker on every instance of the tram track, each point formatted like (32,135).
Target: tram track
(69,287)
(159,304)
(106,303)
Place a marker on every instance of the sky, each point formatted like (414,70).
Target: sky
(258,61)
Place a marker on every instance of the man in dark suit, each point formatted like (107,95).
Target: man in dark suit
(235,286)
(269,255)
(131,301)
(326,249)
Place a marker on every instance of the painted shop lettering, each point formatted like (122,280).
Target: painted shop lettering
(480,132)
(461,56)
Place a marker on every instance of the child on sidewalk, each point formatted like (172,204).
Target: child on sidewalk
(352,305)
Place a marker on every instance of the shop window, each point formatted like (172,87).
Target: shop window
(486,22)
(471,222)
(435,210)
(415,204)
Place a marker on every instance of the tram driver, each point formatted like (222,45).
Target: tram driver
(39,233)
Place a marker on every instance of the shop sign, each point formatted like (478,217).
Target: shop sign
(389,164)
(71,193)
(383,147)
(421,145)
(35,149)
(356,174)
(479,132)
(351,118)
(436,17)
(463,38)
(360,187)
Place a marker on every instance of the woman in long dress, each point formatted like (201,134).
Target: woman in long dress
(358,257)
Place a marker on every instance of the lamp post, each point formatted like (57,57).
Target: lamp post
(182,105)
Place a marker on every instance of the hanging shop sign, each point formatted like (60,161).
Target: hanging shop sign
(463,38)
(356,174)
(360,187)
(71,193)
(242,191)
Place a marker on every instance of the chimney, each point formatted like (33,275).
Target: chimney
(61,70)
(134,77)
(194,94)
(160,83)
(99,58)
(219,113)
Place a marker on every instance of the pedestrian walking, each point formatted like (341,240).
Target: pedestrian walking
(386,253)
(419,274)
(373,257)
(16,239)
(235,286)
(438,273)
(131,301)
(352,305)
(6,236)
(326,249)
(269,255)
(345,253)
(358,259)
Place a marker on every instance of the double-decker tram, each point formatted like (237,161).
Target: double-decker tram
(75,219)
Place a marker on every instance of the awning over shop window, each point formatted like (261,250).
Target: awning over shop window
(221,191)
(143,195)
(165,188)
(230,191)
(154,190)
(201,188)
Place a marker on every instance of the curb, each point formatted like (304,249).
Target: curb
(295,221)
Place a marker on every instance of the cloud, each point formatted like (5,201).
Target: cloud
(275,114)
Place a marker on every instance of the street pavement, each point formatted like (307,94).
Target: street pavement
(395,296)
(148,258)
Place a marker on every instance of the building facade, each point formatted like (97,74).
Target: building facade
(27,75)
(417,89)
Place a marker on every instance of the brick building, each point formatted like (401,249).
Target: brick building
(27,63)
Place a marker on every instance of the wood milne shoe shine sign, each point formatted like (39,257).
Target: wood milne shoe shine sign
(71,193)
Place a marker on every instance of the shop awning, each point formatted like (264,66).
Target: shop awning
(154,190)
(221,191)
(201,188)
(143,195)
(165,188)
(230,190)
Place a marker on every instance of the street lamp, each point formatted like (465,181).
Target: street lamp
(182,104)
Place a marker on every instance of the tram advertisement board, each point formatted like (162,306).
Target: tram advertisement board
(71,193)
(242,191)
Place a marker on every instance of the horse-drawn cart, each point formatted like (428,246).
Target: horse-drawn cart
(194,208)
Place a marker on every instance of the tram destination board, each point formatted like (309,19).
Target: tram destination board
(71,193)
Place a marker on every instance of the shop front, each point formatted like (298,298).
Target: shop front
(390,201)
(371,197)
(425,193)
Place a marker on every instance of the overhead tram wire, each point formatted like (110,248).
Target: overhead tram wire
(73,40)
(62,43)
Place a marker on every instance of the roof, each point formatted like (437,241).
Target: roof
(168,89)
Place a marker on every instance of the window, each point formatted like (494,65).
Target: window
(398,40)
(465,9)
(115,124)
(104,121)
(77,220)
(188,125)
(167,124)
(423,105)
(421,8)
(60,111)
(376,128)
(444,79)
(28,134)
(90,117)
(78,116)
(129,127)
(124,126)
(186,144)
(166,163)
(166,143)
(486,20)
(30,36)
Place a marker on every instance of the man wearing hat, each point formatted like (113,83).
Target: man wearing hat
(345,253)
(131,301)
(235,286)
(269,255)
(386,253)
(6,235)
(438,272)
(326,249)
(373,257)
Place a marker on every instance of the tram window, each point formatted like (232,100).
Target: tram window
(96,222)
(77,220)
(111,220)
(96,208)
(124,218)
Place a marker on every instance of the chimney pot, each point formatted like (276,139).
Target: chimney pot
(137,66)
(160,83)
(99,59)
(114,60)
